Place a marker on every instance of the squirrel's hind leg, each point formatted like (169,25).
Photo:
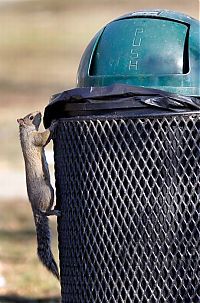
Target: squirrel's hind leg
(51,212)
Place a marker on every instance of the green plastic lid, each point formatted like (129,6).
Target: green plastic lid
(156,49)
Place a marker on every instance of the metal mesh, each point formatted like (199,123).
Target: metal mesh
(129,194)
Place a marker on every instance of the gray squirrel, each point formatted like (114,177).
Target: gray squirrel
(39,189)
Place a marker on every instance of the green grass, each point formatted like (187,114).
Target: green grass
(24,274)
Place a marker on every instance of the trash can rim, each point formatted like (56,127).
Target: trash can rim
(114,98)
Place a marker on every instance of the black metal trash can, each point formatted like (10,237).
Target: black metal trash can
(127,179)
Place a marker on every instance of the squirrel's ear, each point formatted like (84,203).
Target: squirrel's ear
(20,121)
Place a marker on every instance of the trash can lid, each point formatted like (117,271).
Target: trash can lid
(157,49)
(117,100)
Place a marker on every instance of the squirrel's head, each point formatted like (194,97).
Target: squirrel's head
(31,121)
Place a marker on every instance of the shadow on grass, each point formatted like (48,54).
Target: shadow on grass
(17,299)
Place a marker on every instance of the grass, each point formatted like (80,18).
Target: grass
(24,274)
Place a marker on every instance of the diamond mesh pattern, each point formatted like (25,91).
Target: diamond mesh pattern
(129,194)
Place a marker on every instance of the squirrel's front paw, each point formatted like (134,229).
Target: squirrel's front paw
(53,125)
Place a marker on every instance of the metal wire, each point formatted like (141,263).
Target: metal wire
(129,191)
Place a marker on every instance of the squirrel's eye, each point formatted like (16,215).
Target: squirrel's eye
(31,117)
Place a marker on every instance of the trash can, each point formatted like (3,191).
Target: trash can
(127,181)
(127,164)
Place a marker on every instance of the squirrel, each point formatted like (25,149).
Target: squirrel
(39,189)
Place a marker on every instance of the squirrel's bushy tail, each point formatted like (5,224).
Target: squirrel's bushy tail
(44,244)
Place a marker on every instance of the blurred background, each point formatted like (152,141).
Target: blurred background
(41,43)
